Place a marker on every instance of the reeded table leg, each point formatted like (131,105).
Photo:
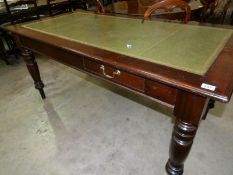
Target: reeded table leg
(188,111)
(33,69)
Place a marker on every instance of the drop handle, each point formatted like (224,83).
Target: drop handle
(116,72)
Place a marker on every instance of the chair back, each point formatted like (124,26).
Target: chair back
(22,11)
(169,6)
(99,8)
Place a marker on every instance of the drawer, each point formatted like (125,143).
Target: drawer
(121,77)
(161,92)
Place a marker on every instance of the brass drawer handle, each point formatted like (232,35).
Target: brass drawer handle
(116,72)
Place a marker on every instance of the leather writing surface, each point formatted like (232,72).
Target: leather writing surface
(185,47)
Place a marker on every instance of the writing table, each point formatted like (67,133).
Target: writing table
(179,65)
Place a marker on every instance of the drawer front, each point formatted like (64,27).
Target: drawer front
(161,92)
(124,78)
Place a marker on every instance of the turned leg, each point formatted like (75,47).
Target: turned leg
(30,61)
(188,111)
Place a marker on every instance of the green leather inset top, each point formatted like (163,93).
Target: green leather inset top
(185,47)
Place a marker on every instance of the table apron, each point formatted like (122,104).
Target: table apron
(155,90)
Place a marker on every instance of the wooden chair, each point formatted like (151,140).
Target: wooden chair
(99,8)
(169,6)
(22,11)
(57,7)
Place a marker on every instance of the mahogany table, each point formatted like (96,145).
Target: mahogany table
(181,66)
